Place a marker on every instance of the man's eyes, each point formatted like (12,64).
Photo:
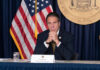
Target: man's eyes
(53,22)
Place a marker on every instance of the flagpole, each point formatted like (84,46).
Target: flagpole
(36,19)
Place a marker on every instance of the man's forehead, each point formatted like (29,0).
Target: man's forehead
(52,18)
(53,21)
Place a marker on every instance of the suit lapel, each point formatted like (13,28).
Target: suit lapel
(46,34)
(60,34)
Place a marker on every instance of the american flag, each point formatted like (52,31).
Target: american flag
(23,25)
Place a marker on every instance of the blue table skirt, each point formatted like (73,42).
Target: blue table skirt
(47,66)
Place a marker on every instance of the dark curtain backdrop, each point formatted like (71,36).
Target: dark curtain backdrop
(86,42)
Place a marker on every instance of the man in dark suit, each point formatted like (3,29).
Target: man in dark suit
(54,40)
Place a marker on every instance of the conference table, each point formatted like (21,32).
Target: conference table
(10,64)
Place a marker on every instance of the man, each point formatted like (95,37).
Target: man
(63,41)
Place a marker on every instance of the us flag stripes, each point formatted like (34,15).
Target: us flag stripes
(23,25)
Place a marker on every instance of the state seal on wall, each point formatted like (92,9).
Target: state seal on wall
(80,11)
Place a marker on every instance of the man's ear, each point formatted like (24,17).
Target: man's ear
(59,23)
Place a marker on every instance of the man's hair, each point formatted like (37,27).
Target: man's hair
(53,14)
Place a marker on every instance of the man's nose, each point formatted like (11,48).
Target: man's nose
(52,26)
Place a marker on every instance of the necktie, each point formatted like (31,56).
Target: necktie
(53,44)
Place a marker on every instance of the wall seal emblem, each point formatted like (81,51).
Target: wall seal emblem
(80,11)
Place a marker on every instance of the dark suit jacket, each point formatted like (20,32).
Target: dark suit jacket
(63,52)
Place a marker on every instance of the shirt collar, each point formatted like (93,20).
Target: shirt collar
(57,32)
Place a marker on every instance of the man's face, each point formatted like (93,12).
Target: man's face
(53,23)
